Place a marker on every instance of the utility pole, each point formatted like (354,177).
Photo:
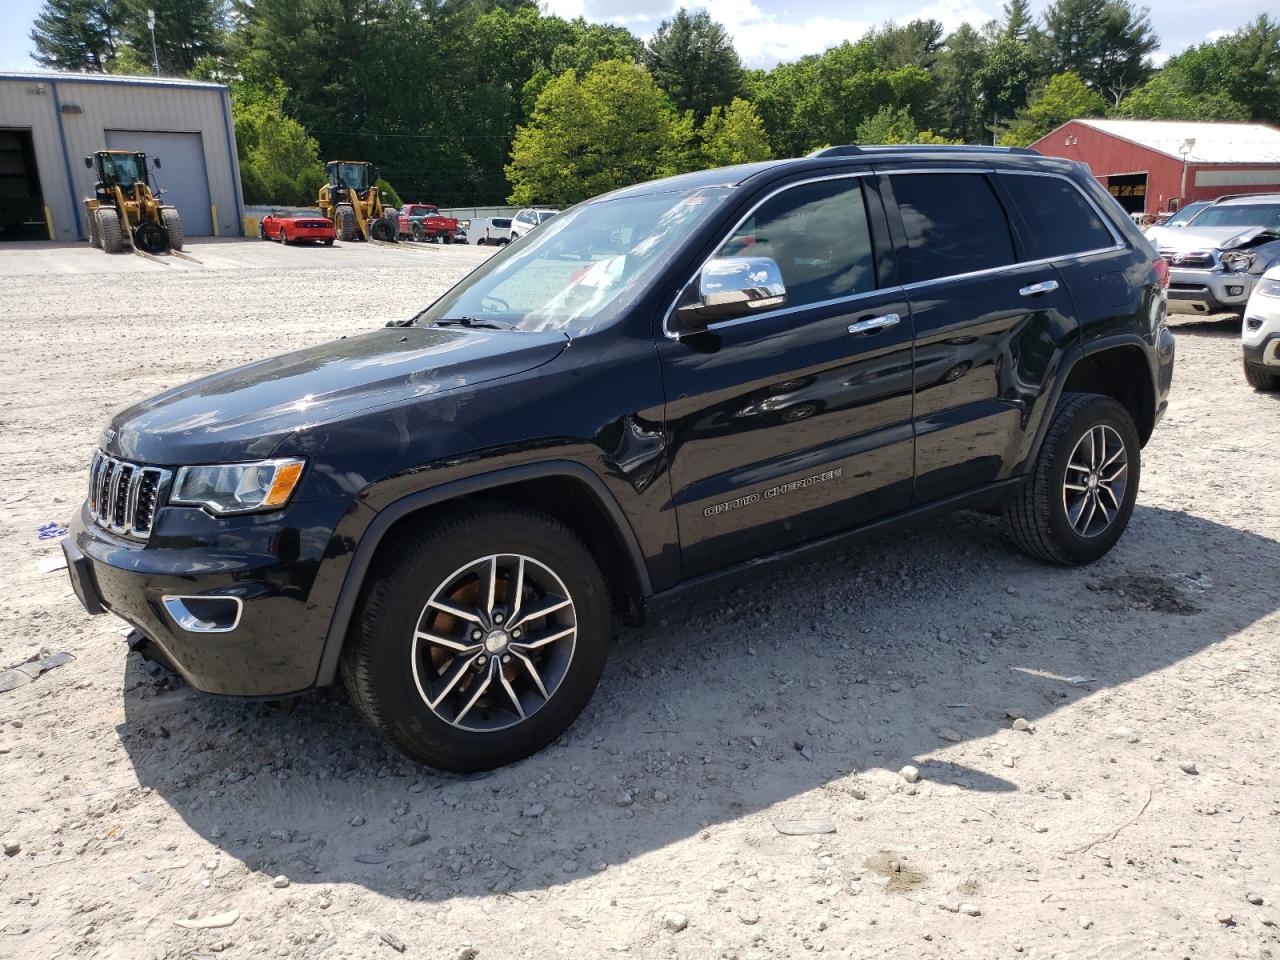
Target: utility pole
(1188,145)
(151,25)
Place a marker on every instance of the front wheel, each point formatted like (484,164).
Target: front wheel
(479,637)
(1260,379)
(1077,501)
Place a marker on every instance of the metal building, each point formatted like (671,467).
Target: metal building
(49,122)
(1155,165)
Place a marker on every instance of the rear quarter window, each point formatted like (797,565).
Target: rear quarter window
(1059,219)
(954,224)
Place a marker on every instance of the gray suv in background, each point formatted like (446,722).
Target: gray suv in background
(1216,258)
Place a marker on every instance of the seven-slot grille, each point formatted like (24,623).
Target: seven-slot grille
(123,496)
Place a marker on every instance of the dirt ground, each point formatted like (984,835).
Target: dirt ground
(1138,814)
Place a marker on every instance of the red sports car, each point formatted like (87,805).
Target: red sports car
(287,227)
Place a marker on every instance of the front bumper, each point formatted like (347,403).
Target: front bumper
(275,570)
(1208,291)
(1264,354)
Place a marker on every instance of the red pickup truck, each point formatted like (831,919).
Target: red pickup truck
(422,221)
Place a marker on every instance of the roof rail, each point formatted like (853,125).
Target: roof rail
(850,150)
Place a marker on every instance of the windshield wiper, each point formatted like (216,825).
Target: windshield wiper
(472,322)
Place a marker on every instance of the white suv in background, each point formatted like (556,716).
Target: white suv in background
(1261,333)
(528,218)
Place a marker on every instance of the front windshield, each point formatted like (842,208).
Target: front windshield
(1265,215)
(123,168)
(582,269)
(353,175)
(1186,213)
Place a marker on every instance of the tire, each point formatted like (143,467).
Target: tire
(173,225)
(1259,379)
(346,223)
(109,231)
(95,241)
(328,243)
(284,237)
(1038,515)
(415,231)
(262,231)
(382,230)
(389,675)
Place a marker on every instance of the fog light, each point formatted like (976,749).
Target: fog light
(1253,323)
(205,614)
(1235,291)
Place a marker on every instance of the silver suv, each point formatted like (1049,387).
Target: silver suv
(1216,259)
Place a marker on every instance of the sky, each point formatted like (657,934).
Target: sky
(768,31)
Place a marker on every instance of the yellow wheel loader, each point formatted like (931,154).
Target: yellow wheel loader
(354,204)
(123,211)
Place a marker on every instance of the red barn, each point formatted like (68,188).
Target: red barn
(1155,165)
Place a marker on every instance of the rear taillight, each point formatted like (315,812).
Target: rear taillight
(1162,271)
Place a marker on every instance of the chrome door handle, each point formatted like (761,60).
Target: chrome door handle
(875,323)
(1044,286)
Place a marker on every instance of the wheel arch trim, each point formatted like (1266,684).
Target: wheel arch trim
(386,518)
(1070,358)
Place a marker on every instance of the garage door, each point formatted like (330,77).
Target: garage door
(182,172)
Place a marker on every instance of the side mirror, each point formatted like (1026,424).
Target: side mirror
(155,162)
(88,162)
(729,288)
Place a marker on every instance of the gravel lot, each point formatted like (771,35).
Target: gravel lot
(1134,814)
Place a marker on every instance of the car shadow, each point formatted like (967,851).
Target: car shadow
(1220,326)
(829,674)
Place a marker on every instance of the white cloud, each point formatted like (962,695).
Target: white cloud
(612,11)
(1215,35)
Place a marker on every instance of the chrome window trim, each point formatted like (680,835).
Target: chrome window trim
(906,287)
(666,317)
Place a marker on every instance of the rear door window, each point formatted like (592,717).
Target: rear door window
(954,224)
(1059,219)
(819,236)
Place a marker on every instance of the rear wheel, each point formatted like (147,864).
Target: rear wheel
(382,230)
(262,231)
(173,226)
(284,237)
(345,218)
(328,242)
(416,232)
(1259,378)
(1078,499)
(479,637)
(109,231)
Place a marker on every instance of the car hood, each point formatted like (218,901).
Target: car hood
(244,413)
(1183,239)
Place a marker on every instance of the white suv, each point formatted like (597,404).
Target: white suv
(528,218)
(1261,333)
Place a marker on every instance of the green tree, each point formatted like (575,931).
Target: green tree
(279,161)
(1017,22)
(734,134)
(186,31)
(77,34)
(961,106)
(895,125)
(1105,42)
(692,58)
(821,100)
(609,129)
(1243,68)
(1167,96)
(917,43)
(1065,97)
(129,62)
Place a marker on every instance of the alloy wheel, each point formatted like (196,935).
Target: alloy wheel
(1095,482)
(494,642)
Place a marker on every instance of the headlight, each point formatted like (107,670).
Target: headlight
(237,487)
(1237,262)
(1268,288)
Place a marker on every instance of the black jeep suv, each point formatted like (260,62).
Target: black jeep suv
(654,388)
